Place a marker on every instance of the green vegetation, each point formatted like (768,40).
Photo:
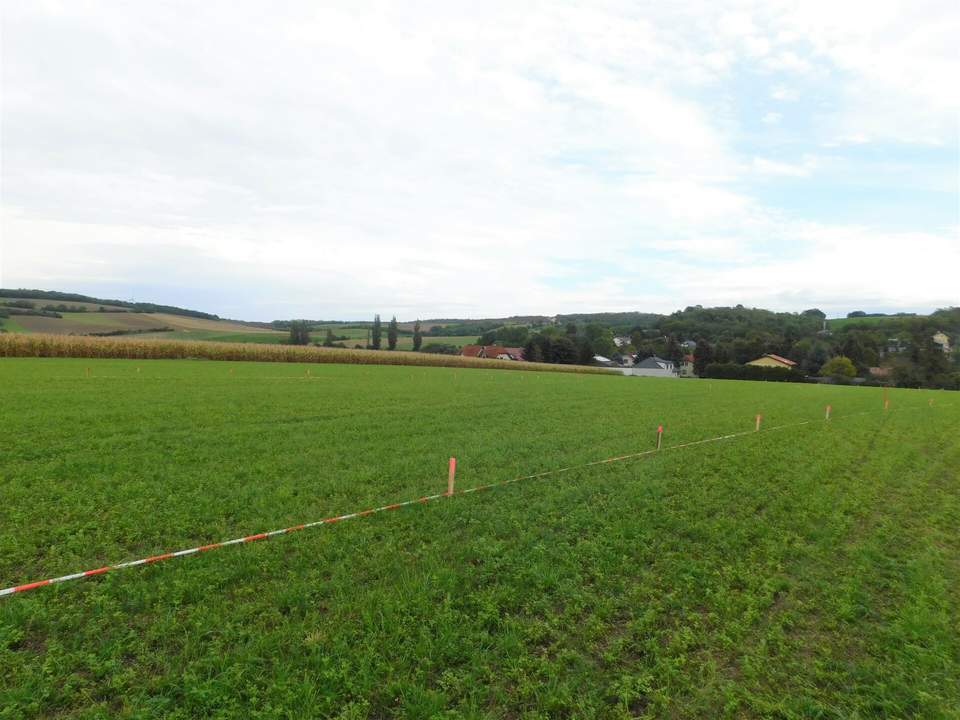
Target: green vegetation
(798,573)
(869,320)
(392,334)
(375,333)
(73,297)
(839,367)
(737,335)
(299,333)
(417,337)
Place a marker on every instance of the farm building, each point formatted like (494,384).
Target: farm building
(686,367)
(771,360)
(497,352)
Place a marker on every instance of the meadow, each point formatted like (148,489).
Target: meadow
(811,571)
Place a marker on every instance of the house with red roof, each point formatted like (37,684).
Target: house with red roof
(496,352)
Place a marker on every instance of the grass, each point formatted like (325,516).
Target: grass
(10,325)
(809,572)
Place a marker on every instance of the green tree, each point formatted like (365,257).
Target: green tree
(600,338)
(377,332)
(392,334)
(563,351)
(838,367)
(299,332)
(417,336)
(329,339)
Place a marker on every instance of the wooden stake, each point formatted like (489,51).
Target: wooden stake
(828,412)
(886,404)
(450,476)
(88,372)
(659,435)
(759,418)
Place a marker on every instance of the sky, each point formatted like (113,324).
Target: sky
(330,160)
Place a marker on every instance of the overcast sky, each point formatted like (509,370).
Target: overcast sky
(320,159)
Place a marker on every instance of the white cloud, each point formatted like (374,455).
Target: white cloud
(771,118)
(783,93)
(804,168)
(335,160)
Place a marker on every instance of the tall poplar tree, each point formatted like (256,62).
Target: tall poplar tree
(377,332)
(417,336)
(392,334)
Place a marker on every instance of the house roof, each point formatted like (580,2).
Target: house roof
(654,362)
(786,361)
(491,351)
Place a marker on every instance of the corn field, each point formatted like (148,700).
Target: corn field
(40,345)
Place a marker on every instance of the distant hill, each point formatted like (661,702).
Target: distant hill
(55,297)
(60,313)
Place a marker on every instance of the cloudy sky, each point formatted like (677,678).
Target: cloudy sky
(265,160)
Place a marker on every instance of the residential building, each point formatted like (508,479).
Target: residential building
(652,367)
(497,352)
(771,360)
(941,339)
(686,367)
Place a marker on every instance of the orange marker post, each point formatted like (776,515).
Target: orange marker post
(886,404)
(450,476)
(759,418)
(659,435)
(827,417)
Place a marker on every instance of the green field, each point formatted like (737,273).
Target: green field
(811,571)
(271,338)
(10,325)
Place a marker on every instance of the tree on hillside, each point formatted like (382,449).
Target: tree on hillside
(329,339)
(600,338)
(839,368)
(702,356)
(672,350)
(377,332)
(392,334)
(563,351)
(299,332)
(417,336)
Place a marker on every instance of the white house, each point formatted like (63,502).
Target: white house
(652,367)
(941,339)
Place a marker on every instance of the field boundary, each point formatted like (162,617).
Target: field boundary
(417,501)
(133,348)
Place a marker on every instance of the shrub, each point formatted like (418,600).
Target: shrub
(838,368)
(733,371)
